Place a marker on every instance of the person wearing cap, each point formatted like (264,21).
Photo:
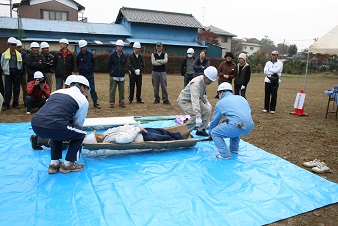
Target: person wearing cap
(37,92)
(135,66)
(63,63)
(116,66)
(243,75)
(49,63)
(201,63)
(11,64)
(85,63)
(273,70)
(35,61)
(187,66)
(238,121)
(23,76)
(227,70)
(159,59)
(61,119)
(194,102)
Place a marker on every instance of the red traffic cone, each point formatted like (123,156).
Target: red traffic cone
(300,98)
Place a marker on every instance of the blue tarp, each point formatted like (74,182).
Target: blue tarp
(177,187)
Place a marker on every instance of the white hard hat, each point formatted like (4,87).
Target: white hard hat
(44,45)
(137,45)
(69,79)
(38,74)
(190,51)
(119,43)
(81,80)
(63,40)
(11,40)
(18,43)
(82,43)
(224,86)
(211,73)
(34,45)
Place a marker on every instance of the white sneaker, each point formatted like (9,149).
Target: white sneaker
(221,157)
(28,113)
(321,168)
(312,163)
(272,112)
(264,110)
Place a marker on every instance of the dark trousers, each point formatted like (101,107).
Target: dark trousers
(2,89)
(59,83)
(91,80)
(30,103)
(135,80)
(73,134)
(23,82)
(12,84)
(187,79)
(238,90)
(270,91)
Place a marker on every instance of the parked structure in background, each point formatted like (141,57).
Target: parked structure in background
(250,48)
(50,21)
(224,39)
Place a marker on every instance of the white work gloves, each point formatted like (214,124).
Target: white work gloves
(198,121)
(137,72)
(242,87)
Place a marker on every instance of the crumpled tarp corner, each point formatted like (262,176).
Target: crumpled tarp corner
(174,187)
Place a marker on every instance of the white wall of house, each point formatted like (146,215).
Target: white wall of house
(225,42)
(250,48)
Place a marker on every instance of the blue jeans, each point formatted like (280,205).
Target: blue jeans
(30,103)
(93,94)
(59,83)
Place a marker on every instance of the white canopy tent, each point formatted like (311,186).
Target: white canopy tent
(326,45)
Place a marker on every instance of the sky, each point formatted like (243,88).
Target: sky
(289,21)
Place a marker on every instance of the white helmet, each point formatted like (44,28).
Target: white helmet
(137,45)
(225,86)
(34,45)
(11,40)
(69,80)
(190,51)
(82,43)
(211,73)
(119,43)
(18,43)
(90,138)
(44,45)
(38,74)
(63,40)
(81,80)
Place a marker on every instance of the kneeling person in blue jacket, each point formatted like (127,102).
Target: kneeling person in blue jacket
(238,121)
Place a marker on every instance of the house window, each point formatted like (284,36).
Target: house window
(251,48)
(224,39)
(54,15)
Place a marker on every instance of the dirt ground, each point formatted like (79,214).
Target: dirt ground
(294,138)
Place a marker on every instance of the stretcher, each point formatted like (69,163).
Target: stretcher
(186,142)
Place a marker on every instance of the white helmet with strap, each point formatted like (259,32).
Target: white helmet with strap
(81,80)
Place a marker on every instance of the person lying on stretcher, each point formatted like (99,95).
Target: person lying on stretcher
(120,135)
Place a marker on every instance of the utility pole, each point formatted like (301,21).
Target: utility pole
(10,6)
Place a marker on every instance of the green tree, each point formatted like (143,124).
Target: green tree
(282,48)
(292,50)
(236,46)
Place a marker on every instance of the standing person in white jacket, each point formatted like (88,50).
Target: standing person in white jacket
(273,70)
(194,102)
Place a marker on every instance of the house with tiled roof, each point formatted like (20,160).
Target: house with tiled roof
(224,38)
(177,31)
